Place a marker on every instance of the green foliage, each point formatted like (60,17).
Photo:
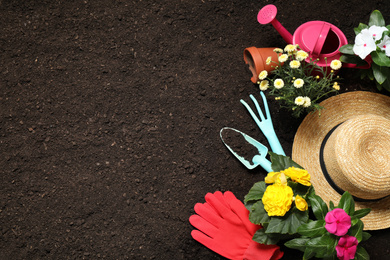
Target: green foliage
(380,65)
(280,162)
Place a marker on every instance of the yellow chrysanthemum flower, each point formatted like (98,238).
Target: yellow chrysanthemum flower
(264,84)
(301,203)
(335,64)
(278,50)
(298,175)
(336,86)
(263,74)
(290,48)
(268,60)
(307,102)
(294,64)
(301,55)
(299,101)
(298,83)
(278,83)
(277,199)
(282,58)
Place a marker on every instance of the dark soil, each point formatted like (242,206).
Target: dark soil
(110,115)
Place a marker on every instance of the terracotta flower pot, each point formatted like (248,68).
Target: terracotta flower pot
(256,60)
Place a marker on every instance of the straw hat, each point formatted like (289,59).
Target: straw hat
(349,145)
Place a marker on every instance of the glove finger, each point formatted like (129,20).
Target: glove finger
(203,225)
(208,213)
(219,206)
(212,244)
(220,197)
(241,211)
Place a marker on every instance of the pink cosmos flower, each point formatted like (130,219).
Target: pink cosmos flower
(337,222)
(346,248)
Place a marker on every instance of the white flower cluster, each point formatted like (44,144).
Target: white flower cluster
(368,39)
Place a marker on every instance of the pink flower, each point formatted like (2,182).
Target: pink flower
(337,222)
(346,248)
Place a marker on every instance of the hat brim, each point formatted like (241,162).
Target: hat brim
(315,127)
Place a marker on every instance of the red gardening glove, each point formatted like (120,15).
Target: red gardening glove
(224,227)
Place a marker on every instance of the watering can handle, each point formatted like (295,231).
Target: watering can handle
(320,40)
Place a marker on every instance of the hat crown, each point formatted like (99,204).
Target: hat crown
(357,156)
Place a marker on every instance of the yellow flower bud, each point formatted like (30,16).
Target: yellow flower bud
(301,203)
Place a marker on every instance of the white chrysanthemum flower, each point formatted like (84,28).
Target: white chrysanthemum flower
(307,102)
(278,50)
(336,64)
(384,45)
(268,60)
(294,64)
(283,58)
(299,101)
(263,74)
(364,44)
(290,48)
(301,55)
(264,84)
(278,83)
(298,83)
(377,31)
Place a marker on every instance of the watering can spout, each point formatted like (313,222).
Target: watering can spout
(267,15)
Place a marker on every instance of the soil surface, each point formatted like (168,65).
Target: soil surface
(110,115)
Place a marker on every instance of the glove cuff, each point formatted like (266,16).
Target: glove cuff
(257,251)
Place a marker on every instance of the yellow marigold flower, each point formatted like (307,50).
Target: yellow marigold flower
(301,55)
(290,48)
(298,83)
(307,102)
(298,175)
(294,64)
(278,50)
(278,83)
(335,64)
(277,199)
(282,58)
(336,86)
(263,74)
(268,60)
(301,203)
(299,101)
(264,84)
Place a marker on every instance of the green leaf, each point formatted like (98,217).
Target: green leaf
(353,59)
(331,205)
(297,243)
(256,192)
(380,58)
(347,49)
(319,207)
(289,223)
(360,28)
(386,84)
(263,238)
(312,229)
(356,230)
(281,162)
(347,204)
(361,254)
(376,18)
(365,236)
(380,73)
(323,246)
(361,213)
(258,215)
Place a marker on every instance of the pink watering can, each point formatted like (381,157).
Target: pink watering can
(320,39)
